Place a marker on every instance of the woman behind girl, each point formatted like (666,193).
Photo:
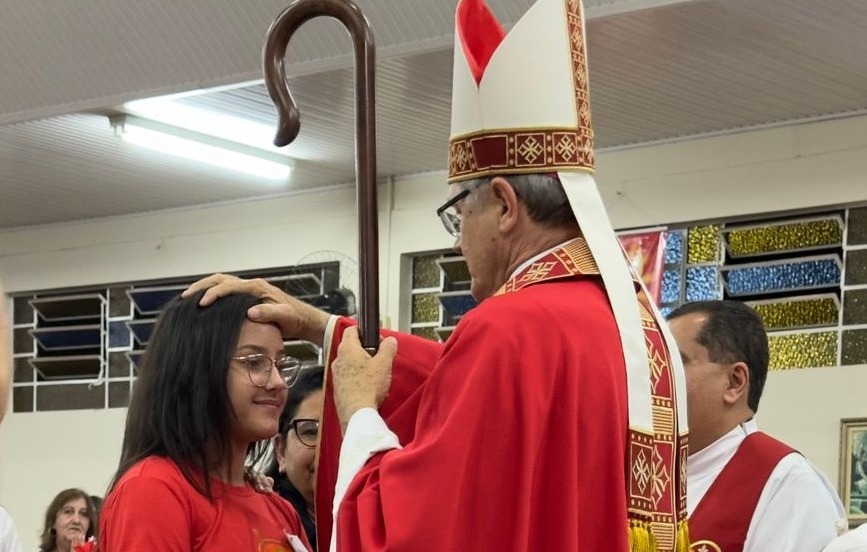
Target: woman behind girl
(211,387)
(293,468)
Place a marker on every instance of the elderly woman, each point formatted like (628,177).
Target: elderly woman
(69,521)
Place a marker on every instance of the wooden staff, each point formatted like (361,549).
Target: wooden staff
(276,42)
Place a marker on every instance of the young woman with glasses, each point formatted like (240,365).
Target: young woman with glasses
(293,466)
(212,385)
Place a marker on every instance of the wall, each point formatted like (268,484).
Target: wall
(778,169)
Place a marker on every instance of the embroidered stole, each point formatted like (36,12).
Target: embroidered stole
(656,478)
(721,520)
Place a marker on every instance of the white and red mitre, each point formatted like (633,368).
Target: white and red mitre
(519,101)
(520,104)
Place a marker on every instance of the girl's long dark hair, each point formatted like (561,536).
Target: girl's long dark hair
(180,405)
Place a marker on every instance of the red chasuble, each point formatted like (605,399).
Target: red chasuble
(515,431)
(721,520)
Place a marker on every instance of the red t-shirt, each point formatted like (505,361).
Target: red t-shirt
(154,508)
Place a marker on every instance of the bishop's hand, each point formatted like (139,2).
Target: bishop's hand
(360,380)
(296,319)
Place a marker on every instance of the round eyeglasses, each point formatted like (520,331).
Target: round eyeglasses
(259,368)
(307,431)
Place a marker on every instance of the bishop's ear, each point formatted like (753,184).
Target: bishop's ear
(507,200)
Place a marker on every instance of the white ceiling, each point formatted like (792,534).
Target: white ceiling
(659,70)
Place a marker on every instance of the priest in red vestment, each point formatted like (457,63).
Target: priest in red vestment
(553,418)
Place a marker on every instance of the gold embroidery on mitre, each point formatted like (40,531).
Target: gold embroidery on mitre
(519,151)
(529,149)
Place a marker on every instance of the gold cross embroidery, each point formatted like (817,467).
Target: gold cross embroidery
(537,272)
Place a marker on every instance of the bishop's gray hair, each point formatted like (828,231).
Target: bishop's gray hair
(543,195)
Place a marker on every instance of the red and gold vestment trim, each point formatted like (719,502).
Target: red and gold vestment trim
(656,497)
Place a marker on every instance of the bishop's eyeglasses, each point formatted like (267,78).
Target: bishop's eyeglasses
(307,431)
(449,216)
(259,368)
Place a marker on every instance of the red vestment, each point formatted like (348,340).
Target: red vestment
(515,433)
(722,518)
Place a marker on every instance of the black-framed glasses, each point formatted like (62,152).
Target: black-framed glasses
(259,368)
(448,214)
(307,431)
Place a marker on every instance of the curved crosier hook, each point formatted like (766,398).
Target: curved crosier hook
(276,42)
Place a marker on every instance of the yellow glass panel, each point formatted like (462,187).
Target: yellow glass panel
(805,350)
(804,313)
(425,272)
(703,244)
(426,332)
(425,308)
(785,237)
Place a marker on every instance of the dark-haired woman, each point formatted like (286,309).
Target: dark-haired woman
(211,388)
(293,468)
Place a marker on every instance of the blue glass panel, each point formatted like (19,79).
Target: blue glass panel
(152,301)
(135,357)
(665,311)
(674,247)
(118,334)
(457,305)
(68,337)
(141,329)
(671,286)
(702,283)
(780,277)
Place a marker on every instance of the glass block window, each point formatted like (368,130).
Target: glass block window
(703,244)
(799,235)
(79,349)
(856,267)
(702,283)
(854,347)
(440,294)
(799,312)
(857,226)
(803,350)
(427,281)
(426,272)
(806,276)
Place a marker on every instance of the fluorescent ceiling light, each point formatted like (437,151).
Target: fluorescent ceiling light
(170,110)
(204,149)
